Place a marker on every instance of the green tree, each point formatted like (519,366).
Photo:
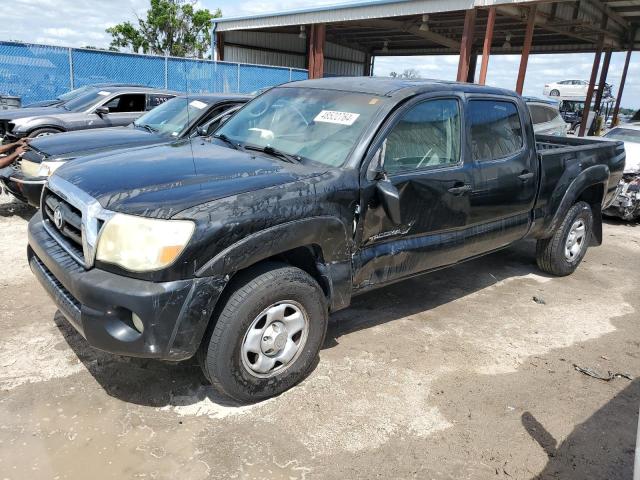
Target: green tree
(171,27)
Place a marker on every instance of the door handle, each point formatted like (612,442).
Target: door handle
(524,176)
(460,189)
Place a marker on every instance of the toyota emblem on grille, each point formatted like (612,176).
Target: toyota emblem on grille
(57,218)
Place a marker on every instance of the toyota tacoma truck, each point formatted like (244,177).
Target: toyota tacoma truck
(237,247)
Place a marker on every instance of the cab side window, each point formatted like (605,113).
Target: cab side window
(427,136)
(130,102)
(496,131)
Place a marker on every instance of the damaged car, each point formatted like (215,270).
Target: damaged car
(175,119)
(626,204)
(236,248)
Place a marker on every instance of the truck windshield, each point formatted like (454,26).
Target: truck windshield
(319,125)
(624,134)
(173,116)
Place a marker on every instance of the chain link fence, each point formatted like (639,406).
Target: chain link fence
(42,72)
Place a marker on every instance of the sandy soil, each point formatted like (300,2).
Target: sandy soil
(455,375)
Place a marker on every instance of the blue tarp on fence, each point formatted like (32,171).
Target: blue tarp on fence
(42,72)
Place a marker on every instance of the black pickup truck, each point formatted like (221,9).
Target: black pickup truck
(237,247)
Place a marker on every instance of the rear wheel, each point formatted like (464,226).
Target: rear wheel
(43,132)
(562,253)
(554,93)
(267,335)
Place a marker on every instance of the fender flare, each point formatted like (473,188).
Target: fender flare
(327,233)
(595,175)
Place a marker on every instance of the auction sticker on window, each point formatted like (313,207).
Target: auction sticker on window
(198,104)
(104,93)
(332,116)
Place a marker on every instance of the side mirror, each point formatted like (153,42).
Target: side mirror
(102,110)
(202,130)
(390,200)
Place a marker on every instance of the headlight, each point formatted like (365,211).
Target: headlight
(42,169)
(142,244)
(47,168)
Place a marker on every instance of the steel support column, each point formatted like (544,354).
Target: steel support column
(473,63)
(592,80)
(219,46)
(603,80)
(486,49)
(526,48)
(616,109)
(466,45)
(316,50)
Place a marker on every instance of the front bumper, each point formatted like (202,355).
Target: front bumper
(99,304)
(25,189)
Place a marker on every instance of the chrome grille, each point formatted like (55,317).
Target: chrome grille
(69,224)
(80,219)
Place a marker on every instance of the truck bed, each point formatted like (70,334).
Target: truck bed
(562,159)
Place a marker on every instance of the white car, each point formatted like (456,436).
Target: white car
(627,202)
(546,117)
(567,88)
(572,89)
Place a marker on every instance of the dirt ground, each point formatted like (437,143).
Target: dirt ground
(455,375)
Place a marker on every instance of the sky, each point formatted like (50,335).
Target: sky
(77,23)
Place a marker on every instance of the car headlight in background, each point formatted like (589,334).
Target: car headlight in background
(142,244)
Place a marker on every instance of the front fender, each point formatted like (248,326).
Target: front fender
(327,233)
(24,128)
(562,200)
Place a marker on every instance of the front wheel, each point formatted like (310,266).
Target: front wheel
(267,335)
(562,253)
(43,132)
(554,93)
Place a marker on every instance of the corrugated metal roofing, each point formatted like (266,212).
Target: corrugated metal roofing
(347,11)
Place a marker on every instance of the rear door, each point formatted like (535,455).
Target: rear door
(423,155)
(505,172)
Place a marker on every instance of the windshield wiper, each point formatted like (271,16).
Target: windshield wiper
(269,150)
(148,128)
(228,141)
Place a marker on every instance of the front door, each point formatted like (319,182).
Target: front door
(123,109)
(422,154)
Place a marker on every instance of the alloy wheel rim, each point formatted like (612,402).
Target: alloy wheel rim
(275,339)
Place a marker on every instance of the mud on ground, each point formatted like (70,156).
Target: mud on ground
(455,375)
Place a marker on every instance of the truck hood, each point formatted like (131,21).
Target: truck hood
(84,142)
(162,180)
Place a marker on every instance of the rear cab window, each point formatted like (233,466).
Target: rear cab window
(496,129)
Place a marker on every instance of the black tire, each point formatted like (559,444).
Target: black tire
(220,354)
(550,252)
(554,93)
(41,132)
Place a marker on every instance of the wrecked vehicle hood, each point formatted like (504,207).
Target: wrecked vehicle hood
(162,180)
(83,142)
